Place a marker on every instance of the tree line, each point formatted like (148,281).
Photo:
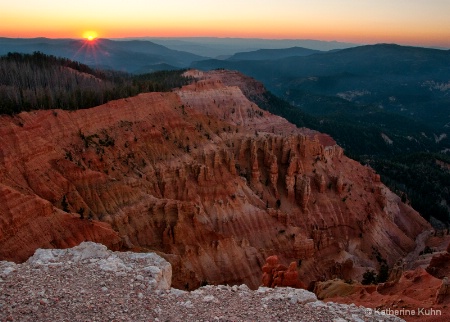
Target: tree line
(39,81)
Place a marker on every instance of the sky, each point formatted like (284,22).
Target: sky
(409,22)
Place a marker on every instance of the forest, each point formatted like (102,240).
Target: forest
(39,81)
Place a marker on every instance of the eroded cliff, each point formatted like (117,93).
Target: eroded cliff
(202,176)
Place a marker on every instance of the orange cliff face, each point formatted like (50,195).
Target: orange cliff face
(204,177)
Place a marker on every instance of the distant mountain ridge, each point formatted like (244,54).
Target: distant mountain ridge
(131,56)
(399,79)
(370,59)
(214,47)
(273,54)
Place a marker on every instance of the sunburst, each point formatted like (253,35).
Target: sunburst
(90,35)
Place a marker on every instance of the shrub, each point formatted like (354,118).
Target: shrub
(369,277)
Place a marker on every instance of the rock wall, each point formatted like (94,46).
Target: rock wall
(203,177)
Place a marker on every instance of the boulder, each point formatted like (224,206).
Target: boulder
(148,267)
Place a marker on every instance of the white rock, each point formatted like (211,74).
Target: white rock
(210,298)
(292,295)
(197,292)
(263,289)
(7,268)
(302,296)
(110,264)
(188,304)
(41,257)
(97,256)
(177,292)
(152,270)
(244,288)
(274,297)
(316,304)
(88,250)
(293,299)
(355,318)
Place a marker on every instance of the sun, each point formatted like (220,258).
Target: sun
(90,35)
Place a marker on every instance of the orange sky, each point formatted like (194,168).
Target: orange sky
(415,22)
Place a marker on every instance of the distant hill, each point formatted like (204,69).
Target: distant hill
(364,60)
(131,56)
(373,60)
(403,80)
(273,54)
(213,47)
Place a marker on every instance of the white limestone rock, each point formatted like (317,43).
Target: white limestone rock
(293,295)
(6,268)
(148,267)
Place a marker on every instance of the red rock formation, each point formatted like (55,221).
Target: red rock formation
(273,176)
(415,291)
(412,290)
(439,265)
(340,183)
(443,292)
(275,274)
(28,222)
(211,186)
(303,190)
(321,182)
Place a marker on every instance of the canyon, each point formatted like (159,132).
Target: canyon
(204,178)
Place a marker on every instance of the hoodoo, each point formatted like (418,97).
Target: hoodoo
(203,177)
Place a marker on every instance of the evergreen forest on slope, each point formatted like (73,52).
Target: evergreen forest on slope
(39,81)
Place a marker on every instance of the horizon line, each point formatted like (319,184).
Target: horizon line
(147,38)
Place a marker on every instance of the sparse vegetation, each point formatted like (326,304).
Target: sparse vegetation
(427,250)
(81,213)
(369,277)
(65,204)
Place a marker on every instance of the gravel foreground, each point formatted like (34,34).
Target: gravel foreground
(93,284)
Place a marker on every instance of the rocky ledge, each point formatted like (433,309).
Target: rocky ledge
(91,283)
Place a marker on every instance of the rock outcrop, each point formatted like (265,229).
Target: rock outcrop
(443,292)
(439,265)
(89,282)
(278,275)
(149,268)
(417,296)
(203,177)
